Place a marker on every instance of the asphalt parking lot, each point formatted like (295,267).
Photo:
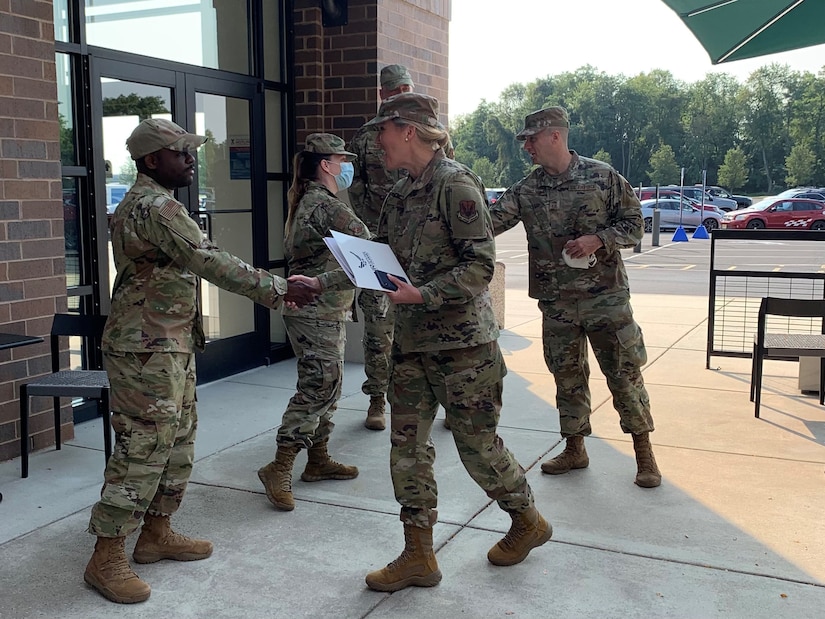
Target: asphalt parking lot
(679,267)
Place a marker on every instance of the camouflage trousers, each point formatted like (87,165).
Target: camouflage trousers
(607,322)
(467,382)
(155,419)
(379,322)
(319,346)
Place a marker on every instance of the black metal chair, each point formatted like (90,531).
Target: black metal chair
(787,346)
(92,384)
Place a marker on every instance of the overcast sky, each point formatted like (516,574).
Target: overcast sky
(494,44)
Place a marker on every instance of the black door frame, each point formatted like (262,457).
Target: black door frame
(229,355)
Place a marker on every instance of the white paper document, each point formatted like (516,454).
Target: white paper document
(366,263)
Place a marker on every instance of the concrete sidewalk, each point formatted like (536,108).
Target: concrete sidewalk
(737,528)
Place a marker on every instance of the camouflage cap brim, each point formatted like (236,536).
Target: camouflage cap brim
(428,121)
(189,142)
(526,133)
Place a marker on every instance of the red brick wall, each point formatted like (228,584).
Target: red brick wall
(337,68)
(32,262)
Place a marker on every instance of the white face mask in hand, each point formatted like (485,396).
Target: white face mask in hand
(578,263)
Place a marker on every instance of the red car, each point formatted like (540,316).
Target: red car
(778,213)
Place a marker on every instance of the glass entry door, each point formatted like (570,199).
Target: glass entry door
(221,200)
(224,205)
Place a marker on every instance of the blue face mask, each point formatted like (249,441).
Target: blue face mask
(344,179)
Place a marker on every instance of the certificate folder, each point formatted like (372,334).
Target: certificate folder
(366,263)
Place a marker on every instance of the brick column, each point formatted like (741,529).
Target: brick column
(336,68)
(32,259)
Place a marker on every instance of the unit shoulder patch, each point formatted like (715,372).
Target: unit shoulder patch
(467,211)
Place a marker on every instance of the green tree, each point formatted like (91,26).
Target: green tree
(733,173)
(765,99)
(630,118)
(208,154)
(486,171)
(604,156)
(800,165)
(127,173)
(808,121)
(134,105)
(710,123)
(664,170)
(67,151)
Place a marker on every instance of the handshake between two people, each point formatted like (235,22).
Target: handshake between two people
(301,290)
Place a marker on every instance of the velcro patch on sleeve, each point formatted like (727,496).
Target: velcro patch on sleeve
(467,211)
(169,209)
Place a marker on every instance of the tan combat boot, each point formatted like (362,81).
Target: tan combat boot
(415,567)
(320,466)
(277,477)
(529,530)
(647,473)
(574,456)
(109,572)
(158,541)
(375,413)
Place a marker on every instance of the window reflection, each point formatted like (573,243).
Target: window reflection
(62,22)
(71,230)
(65,110)
(210,34)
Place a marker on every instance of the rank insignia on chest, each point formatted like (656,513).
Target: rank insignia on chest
(467,211)
(587,187)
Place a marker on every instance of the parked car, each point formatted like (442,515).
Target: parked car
(721,192)
(723,204)
(811,193)
(649,193)
(671,216)
(779,213)
(495,193)
(115,192)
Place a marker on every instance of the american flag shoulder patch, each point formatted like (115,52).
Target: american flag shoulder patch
(169,209)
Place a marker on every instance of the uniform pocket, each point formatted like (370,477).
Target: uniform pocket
(475,394)
(631,343)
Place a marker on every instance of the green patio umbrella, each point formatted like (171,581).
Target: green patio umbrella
(736,29)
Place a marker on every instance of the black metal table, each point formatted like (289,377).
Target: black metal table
(13,340)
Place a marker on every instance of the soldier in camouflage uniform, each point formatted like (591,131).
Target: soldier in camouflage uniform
(148,344)
(579,213)
(445,348)
(316,331)
(370,186)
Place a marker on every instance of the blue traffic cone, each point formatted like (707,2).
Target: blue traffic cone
(701,233)
(679,236)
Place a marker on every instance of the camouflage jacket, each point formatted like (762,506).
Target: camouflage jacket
(438,226)
(160,252)
(372,182)
(317,214)
(589,197)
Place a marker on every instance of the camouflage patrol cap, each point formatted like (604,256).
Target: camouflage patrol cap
(412,106)
(555,116)
(395,75)
(154,134)
(327,144)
